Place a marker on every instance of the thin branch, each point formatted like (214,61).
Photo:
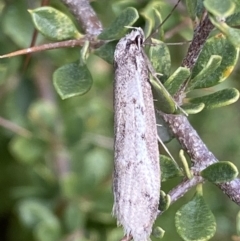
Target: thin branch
(190,141)
(184,132)
(201,34)
(34,39)
(178,28)
(184,187)
(168,16)
(200,156)
(56,45)
(85,15)
(15,128)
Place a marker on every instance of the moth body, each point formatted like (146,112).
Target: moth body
(136,178)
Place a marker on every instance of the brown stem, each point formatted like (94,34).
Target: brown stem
(85,15)
(15,128)
(199,154)
(201,34)
(64,44)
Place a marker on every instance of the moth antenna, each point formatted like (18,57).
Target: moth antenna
(166,149)
(179,43)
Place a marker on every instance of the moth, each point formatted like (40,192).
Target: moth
(136,177)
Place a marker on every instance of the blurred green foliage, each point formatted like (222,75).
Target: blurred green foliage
(55,178)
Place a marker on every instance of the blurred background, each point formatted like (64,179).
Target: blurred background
(56,156)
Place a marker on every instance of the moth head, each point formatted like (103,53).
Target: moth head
(130,44)
(136,37)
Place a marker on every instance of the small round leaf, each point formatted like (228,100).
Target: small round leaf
(54,24)
(194,221)
(152,16)
(106,51)
(26,150)
(161,65)
(118,28)
(169,168)
(71,80)
(225,9)
(220,172)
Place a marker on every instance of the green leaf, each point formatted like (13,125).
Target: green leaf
(119,6)
(200,79)
(26,150)
(232,34)
(118,28)
(234,19)
(46,231)
(225,9)
(106,51)
(16,24)
(158,232)
(43,113)
(31,212)
(163,101)
(160,58)
(151,14)
(175,81)
(69,185)
(94,175)
(220,172)
(73,217)
(165,201)
(216,45)
(195,8)
(169,168)
(72,80)
(217,99)
(54,24)
(191,108)
(194,221)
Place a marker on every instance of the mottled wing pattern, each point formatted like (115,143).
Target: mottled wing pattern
(136,180)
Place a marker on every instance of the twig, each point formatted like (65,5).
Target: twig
(177,28)
(85,15)
(34,39)
(200,156)
(49,46)
(201,34)
(168,16)
(182,188)
(15,128)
